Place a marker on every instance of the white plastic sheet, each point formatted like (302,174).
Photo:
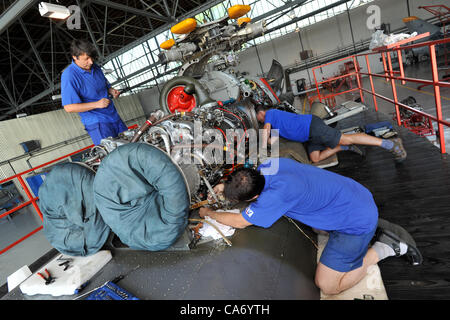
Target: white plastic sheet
(380,39)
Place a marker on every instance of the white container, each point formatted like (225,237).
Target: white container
(66,282)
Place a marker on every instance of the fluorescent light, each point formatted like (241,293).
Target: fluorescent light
(55,11)
(291,14)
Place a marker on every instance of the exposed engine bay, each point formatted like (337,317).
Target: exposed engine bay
(208,93)
(203,104)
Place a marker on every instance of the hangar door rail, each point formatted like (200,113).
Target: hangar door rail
(392,76)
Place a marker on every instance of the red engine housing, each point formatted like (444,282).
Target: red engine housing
(178,100)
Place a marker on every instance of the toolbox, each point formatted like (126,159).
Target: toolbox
(111,291)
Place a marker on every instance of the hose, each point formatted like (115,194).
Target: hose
(300,229)
(152,121)
(217,229)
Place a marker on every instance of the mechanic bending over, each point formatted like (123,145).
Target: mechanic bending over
(322,140)
(322,200)
(85,89)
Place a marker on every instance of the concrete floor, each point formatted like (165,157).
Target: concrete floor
(25,253)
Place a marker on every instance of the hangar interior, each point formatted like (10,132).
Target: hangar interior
(306,50)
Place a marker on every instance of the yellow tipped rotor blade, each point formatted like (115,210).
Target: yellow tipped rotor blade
(243,20)
(166,45)
(184,26)
(238,10)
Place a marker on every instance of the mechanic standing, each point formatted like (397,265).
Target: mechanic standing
(85,89)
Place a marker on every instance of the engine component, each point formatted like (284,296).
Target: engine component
(180,98)
(152,120)
(216,99)
(222,86)
(198,43)
(414,121)
(182,51)
(190,94)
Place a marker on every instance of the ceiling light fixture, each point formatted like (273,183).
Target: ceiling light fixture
(55,11)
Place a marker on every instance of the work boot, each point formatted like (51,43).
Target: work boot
(398,150)
(392,234)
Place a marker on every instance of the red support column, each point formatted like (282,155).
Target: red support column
(369,71)
(400,63)
(358,78)
(317,85)
(384,65)
(437,96)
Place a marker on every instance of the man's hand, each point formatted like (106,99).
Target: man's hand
(272,140)
(115,93)
(235,220)
(103,103)
(203,212)
(266,135)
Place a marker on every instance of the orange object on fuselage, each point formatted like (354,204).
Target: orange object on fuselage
(166,45)
(184,26)
(238,10)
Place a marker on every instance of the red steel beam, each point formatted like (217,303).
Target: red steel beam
(400,63)
(23,204)
(20,240)
(410,108)
(422,81)
(338,77)
(45,164)
(28,193)
(358,80)
(394,90)
(369,70)
(437,96)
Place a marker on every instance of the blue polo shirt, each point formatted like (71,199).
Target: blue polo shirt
(81,86)
(291,126)
(316,197)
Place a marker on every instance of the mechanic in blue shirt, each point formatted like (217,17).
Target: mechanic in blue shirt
(322,140)
(85,89)
(322,200)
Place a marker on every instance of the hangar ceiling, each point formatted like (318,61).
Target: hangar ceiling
(34,50)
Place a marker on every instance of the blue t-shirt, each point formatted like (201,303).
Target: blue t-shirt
(316,197)
(291,126)
(81,86)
